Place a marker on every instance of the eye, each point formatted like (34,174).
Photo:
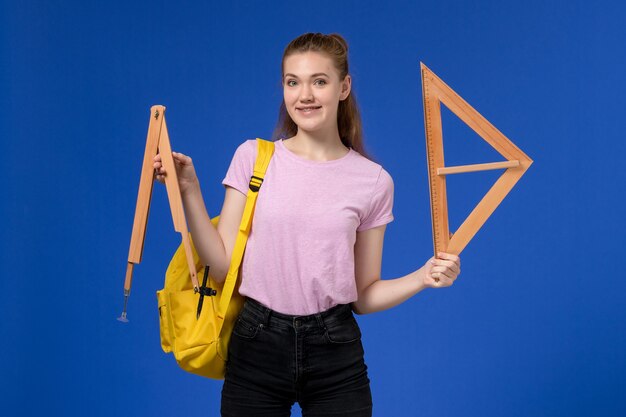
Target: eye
(289,83)
(323,82)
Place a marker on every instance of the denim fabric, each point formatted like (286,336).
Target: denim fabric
(277,359)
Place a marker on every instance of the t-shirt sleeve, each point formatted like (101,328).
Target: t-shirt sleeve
(381,205)
(241,166)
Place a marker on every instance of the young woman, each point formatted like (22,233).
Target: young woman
(313,256)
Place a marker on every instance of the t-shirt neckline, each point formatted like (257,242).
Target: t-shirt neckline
(311,162)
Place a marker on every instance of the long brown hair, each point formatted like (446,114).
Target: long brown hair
(348,116)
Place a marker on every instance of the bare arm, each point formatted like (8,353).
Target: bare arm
(213,245)
(376,294)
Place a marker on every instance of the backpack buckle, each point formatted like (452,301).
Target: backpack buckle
(204,291)
(255,183)
(208,291)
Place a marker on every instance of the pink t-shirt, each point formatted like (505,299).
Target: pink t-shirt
(299,258)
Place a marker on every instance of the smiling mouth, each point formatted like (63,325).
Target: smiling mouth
(308,109)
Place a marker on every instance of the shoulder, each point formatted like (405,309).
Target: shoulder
(248,146)
(384,178)
(246,152)
(372,169)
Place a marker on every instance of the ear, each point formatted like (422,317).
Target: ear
(346,86)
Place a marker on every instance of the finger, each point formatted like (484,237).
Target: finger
(436,276)
(442,280)
(441,275)
(448,274)
(447,257)
(160,179)
(443,270)
(446,282)
(438,283)
(448,264)
(184,159)
(159,169)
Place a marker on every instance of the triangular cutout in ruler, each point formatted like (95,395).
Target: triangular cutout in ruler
(435,92)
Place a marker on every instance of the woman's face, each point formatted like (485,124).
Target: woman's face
(312,91)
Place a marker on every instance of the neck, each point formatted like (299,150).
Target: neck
(318,146)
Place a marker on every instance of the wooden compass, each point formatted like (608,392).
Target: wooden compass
(158,141)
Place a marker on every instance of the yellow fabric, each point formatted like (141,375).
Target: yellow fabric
(200,346)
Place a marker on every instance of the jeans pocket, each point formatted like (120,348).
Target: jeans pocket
(343,331)
(246,328)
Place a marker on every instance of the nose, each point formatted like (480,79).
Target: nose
(306,94)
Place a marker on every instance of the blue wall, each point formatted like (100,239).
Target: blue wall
(534,326)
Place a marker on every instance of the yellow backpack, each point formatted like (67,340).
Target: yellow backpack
(199,340)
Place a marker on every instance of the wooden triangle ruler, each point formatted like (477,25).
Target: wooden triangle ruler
(434,92)
(158,141)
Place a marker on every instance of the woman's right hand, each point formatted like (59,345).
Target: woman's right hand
(185,171)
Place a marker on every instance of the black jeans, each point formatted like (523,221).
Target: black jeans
(276,359)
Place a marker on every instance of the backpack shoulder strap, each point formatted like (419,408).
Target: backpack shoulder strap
(264,155)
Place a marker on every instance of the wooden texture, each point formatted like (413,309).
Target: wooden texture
(157,142)
(435,92)
(477,167)
(142,208)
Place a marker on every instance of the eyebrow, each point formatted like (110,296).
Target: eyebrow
(312,75)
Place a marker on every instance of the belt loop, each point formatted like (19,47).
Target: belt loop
(320,320)
(266,316)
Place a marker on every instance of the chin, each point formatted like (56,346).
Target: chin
(310,125)
(310,128)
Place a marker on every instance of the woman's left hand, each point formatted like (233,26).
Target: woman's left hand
(442,271)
